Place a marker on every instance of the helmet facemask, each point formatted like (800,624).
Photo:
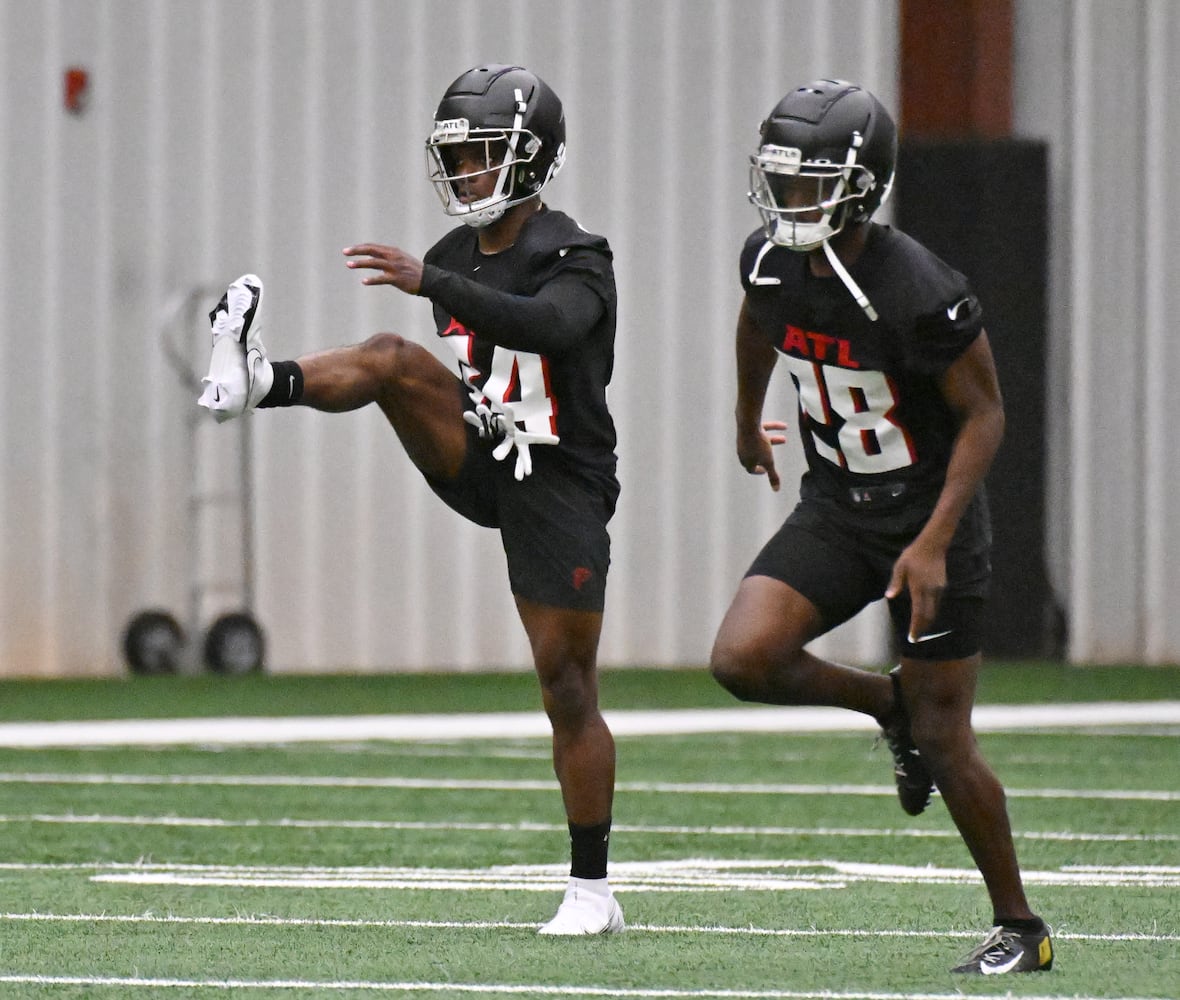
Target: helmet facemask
(503,152)
(804,203)
(506,152)
(498,122)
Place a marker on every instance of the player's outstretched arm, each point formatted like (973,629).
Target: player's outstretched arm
(561,313)
(393,266)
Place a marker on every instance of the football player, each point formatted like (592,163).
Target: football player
(899,414)
(518,437)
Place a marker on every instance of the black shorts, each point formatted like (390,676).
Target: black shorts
(552,523)
(842,561)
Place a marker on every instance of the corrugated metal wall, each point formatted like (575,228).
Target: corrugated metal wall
(224,136)
(1098,78)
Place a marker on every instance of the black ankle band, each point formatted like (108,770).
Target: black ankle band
(589,846)
(288,385)
(1033,926)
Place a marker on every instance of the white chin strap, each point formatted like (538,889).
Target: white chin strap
(862,300)
(801,235)
(484,217)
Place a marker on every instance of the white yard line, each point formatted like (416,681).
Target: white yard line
(512,989)
(684,875)
(674,876)
(509,725)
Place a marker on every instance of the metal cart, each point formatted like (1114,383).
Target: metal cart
(154,641)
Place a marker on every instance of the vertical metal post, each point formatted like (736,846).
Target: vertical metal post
(191,659)
(246,501)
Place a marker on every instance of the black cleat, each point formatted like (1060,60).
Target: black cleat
(1007,949)
(914,783)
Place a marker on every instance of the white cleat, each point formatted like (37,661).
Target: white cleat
(589,907)
(239,374)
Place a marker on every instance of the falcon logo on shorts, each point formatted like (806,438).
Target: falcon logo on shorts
(580,576)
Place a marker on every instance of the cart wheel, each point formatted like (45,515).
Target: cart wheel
(234,644)
(153,643)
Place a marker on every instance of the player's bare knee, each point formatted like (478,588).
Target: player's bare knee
(385,355)
(735,669)
(568,699)
(394,361)
(943,746)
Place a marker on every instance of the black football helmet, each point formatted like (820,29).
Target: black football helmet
(521,125)
(828,147)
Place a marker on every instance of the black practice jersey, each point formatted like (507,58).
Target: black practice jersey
(871,415)
(533,327)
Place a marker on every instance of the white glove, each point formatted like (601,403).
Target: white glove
(484,420)
(521,440)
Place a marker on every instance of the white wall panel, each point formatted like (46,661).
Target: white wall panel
(1097,79)
(226,136)
(1161,352)
(1107,530)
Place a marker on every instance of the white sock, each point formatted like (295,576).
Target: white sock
(592,886)
(264,378)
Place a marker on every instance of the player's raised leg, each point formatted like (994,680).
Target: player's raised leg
(759,655)
(418,394)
